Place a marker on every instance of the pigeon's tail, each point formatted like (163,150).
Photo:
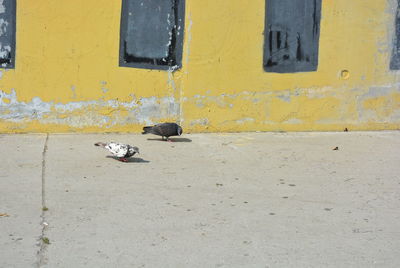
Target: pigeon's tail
(101,144)
(147,130)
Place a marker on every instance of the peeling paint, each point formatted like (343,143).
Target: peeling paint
(108,113)
(3,26)
(285,98)
(297,111)
(87,113)
(379,91)
(202,122)
(245,120)
(2,7)
(293,121)
(379,104)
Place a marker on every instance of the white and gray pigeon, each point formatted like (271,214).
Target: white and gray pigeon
(120,150)
(164,130)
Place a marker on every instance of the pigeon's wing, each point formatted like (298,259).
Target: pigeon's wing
(117,149)
(158,130)
(168,129)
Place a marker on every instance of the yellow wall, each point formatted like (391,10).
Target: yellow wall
(67,76)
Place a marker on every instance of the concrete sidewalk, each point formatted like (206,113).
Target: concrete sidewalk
(207,200)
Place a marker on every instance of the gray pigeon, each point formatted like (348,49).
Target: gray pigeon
(120,150)
(164,130)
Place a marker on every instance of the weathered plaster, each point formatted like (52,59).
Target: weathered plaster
(320,108)
(80,114)
(258,110)
(69,80)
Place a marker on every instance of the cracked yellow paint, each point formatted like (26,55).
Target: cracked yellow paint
(67,58)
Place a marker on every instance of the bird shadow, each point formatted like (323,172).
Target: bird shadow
(130,159)
(173,139)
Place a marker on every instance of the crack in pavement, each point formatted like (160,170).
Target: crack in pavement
(42,243)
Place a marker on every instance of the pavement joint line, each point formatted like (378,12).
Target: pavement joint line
(42,244)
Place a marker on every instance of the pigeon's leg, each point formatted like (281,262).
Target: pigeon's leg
(123,159)
(168,139)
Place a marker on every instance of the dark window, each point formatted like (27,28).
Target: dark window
(7,34)
(152,34)
(291,35)
(395,60)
